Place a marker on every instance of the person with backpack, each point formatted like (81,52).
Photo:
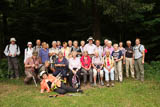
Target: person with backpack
(86,63)
(28,51)
(139,56)
(129,59)
(12,51)
(118,57)
(109,68)
(97,64)
(74,67)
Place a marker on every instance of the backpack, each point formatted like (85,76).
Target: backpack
(9,47)
(75,81)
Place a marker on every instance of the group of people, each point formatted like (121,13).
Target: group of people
(70,63)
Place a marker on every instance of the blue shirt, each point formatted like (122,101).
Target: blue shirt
(44,55)
(117,54)
(64,61)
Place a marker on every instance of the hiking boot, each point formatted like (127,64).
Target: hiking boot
(112,84)
(94,85)
(107,84)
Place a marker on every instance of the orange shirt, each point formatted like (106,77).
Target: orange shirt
(44,85)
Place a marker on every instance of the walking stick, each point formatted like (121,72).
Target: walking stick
(34,81)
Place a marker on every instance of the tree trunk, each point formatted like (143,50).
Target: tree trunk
(96,19)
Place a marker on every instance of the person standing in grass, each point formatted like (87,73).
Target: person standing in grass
(109,68)
(44,53)
(31,65)
(118,57)
(97,64)
(86,63)
(12,51)
(129,59)
(99,48)
(28,51)
(139,56)
(38,46)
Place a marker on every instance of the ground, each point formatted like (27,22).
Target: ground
(130,93)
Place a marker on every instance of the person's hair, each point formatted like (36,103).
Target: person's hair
(64,42)
(60,53)
(54,42)
(138,39)
(69,40)
(109,42)
(128,41)
(115,45)
(98,40)
(120,42)
(107,51)
(85,52)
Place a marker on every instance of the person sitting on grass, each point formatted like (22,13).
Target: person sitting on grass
(50,83)
(109,68)
(31,65)
(97,63)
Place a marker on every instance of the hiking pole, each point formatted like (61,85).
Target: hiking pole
(34,81)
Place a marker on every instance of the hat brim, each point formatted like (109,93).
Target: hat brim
(90,39)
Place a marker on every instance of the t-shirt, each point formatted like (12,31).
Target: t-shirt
(117,54)
(129,52)
(138,51)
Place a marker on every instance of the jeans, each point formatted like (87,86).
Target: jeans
(85,75)
(129,66)
(118,71)
(107,74)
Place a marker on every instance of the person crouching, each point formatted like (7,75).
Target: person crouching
(50,83)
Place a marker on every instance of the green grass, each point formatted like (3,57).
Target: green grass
(130,93)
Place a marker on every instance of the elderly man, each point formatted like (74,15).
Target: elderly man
(70,44)
(99,48)
(139,56)
(90,47)
(12,51)
(31,65)
(38,46)
(117,56)
(129,59)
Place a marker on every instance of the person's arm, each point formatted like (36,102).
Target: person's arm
(25,55)
(6,52)
(18,52)
(143,56)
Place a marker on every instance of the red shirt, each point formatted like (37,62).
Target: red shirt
(86,62)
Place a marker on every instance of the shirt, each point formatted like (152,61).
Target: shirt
(138,51)
(86,62)
(74,63)
(97,60)
(31,61)
(27,53)
(90,48)
(82,49)
(123,50)
(117,54)
(12,49)
(44,55)
(64,61)
(129,52)
(53,50)
(44,85)
(111,49)
(100,50)
(37,48)
(65,52)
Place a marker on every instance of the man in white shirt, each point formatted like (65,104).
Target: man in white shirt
(12,51)
(90,47)
(28,51)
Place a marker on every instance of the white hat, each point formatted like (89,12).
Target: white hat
(29,43)
(43,72)
(90,38)
(12,39)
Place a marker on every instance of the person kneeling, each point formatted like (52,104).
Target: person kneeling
(51,83)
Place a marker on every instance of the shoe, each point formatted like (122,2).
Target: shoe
(94,85)
(80,91)
(102,84)
(112,84)
(17,78)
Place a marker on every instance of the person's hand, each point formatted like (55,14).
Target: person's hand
(15,55)
(124,62)
(117,60)
(33,65)
(10,54)
(132,61)
(142,61)
(98,70)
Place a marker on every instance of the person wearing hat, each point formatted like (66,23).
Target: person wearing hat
(12,51)
(90,47)
(49,83)
(28,51)
(31,65)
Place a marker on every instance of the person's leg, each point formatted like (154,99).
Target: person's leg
(60,91)
(131,67)
(137,69)
(120,74)
(94,75)
(141,66)
(127,67)
(101,77)
(90,75)
(64,75)
(112,76)
(68,89)
(56,73)
(10,68)
(28,77)
(106,76)
(15,64)
(84,75)
(116,71)
(70,78)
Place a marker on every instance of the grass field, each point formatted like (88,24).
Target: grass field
(130,93)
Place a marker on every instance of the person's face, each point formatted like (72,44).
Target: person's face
(58,43)
(90,41)
(128,44)
(121,44)
(109,45)
(137,41)
(97,43)
(82,43)
(74,54)
(85,54)
(60,56)
(70,43)
(13,42)
(38,42)
(54,45)
(65,45)
(30,46)
(44,76)
(75,44)
(106,42)
(107,54)
(115,48)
